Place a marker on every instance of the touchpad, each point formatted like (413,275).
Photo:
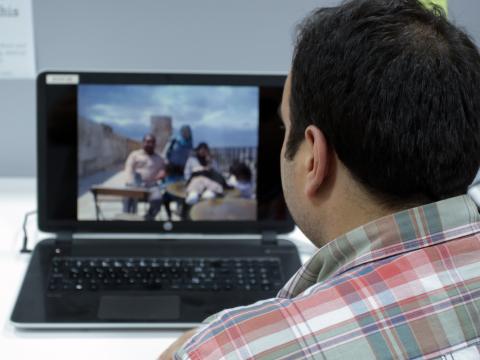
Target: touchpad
(139,307)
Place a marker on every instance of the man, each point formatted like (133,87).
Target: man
(382,117)
(143,168)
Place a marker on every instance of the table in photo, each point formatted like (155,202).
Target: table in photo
(98,191)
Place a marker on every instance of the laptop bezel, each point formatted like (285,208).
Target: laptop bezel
(203,227)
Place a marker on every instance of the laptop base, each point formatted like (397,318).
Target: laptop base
(37,307)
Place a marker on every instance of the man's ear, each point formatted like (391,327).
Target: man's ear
(316,160)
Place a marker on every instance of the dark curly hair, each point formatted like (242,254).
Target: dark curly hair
(395,88)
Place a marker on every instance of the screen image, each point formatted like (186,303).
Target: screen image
(167,152)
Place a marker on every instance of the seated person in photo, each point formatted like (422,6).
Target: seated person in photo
(241,179)
(381,110)
(201,160)
(143,168)
(203,179)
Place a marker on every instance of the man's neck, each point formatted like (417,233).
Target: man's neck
(348,207)
(350,215)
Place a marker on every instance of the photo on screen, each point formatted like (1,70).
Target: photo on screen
(167,152)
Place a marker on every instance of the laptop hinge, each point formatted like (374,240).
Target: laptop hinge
(269,238)
(63,243)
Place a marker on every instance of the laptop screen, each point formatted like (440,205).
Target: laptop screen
(149,152)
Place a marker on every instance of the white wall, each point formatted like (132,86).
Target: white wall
(214,35)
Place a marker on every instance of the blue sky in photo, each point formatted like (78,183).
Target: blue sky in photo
(222,116)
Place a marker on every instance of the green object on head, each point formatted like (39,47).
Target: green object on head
(442,3)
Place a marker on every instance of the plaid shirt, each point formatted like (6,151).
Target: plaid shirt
(404,286)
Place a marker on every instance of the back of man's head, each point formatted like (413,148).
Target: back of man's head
(395,88)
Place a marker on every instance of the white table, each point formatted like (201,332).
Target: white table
(17,196)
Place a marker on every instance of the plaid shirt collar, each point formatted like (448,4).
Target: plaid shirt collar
(392,235)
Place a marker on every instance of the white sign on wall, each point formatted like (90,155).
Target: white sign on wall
(17,57)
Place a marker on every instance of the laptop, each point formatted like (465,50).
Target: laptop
(164,195)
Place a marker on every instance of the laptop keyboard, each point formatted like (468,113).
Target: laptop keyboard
(82,274)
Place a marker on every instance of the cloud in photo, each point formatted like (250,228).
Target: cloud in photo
(219,115)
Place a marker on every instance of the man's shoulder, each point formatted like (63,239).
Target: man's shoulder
(352,310)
